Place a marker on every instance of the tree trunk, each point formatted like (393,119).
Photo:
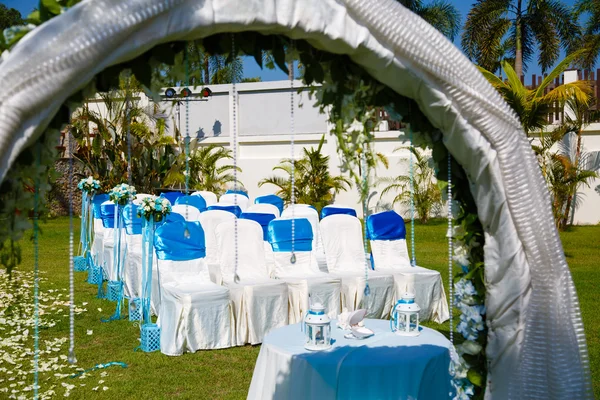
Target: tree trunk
(565,218)
(518,44)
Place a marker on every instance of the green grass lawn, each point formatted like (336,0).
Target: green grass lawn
(217,374)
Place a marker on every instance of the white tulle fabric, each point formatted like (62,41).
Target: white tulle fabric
(97,243)
(108,259)
(391,256)
(235,199)
(542,356)
(210,220)
(132,276)
(209,197)
(345,252)
(305,211)
(190,213)
(260,303)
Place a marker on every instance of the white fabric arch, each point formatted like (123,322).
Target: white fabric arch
(542,356)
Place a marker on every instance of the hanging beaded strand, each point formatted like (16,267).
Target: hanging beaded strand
(71,358)
(187,140)
(236,277)
(365,214)
(449,235)
(36,280)
(293,166)
(413,260)
(128,112)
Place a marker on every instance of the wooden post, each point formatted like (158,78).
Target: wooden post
(533,81)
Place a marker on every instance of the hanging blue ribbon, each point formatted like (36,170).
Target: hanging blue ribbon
(100,366)
(147,253)
(84,223)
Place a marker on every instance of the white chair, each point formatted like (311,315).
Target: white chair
(333,209)
(308,212)
(109,270)
(132,277)
(306,283)
(263,215)
(264,208)
(260,303)
(346,259)
(97,242)
(233,198)
(210,220)
(189,213)
(387,234)
(195,313)
(209,197)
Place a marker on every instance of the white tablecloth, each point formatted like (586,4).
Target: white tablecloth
(385,366)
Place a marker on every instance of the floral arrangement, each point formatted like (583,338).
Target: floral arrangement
(89,185)
(157,207)
(121,194)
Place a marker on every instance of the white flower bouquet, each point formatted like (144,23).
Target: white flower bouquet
(157,207)
(89,185)
(121,194)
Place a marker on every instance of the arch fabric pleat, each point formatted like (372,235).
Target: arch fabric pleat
(542,356)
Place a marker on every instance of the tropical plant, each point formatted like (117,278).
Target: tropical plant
(441,14)
(9,17)
(526,27)
(533,105)
(590,38)
(427,197)
(313,184)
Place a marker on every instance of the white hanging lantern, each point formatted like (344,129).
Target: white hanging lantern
(405,317)
(317,328)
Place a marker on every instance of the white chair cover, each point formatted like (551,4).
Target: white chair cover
(232,198)
(108,244)
(98,242)
(194,312)
(344,249)
(209,197)
(264,208)
(260,303)
(132,265)
(210,220)
(305,280)
(190,213)
(306,211)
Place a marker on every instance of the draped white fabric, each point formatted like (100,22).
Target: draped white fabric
(235,199)
(541,356)
(344,249)
(260,303)
(304,211)
(190,213)
(209,197)
(108,245)
(210,220)
(264,208)
(133,266)
(97,244)
(391,256)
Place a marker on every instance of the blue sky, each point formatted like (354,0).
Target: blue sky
(251,69)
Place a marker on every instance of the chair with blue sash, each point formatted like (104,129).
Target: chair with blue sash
(241,200)
(241,192)
(270,199)
(209,197)
(387,234)
(172,196)
(305,280)
(310,213)
(194,313)
(188,212)
(333,209)
(263,214)
(346,259)
(264,208)
(108,243)
(194,201)
(210,220)
(97,242)
(235,210)
(132,277)
(260,303)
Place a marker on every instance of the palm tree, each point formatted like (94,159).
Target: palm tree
(590,38)
(211,170)
(533,105)
(313,184)
(525,26)
(440,14)
(427,196)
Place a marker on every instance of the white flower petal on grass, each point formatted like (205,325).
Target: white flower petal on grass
(99,310)
(95,389)
(90,332)
(105,388)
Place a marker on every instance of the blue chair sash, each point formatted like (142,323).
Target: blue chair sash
(270,199)
(262,218)
(327,211)
(236,210)
(242,192)
(97,202)
(386,225)
(170,241)
(172,196)
(280,234)
(194,201)
(133,223)
(108,215)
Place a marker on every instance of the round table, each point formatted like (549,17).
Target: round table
(384,366)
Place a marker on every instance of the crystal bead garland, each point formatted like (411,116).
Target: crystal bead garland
(186,232)
(293,166)
(236,277)
(413,259)
(365,172)
(449,235)
(36,279)
(71,358)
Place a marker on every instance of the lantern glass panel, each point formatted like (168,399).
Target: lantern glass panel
(401,322)
(414,319)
